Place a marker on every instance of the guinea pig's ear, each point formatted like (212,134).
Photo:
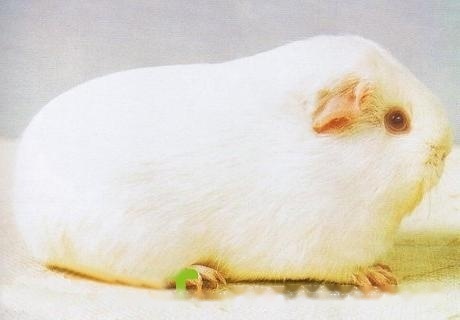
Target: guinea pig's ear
(339,107)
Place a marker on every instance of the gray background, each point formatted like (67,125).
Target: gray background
(47,47)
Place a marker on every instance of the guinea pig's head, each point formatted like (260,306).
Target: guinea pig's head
(388,127)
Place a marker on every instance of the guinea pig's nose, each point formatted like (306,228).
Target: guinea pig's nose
(444,146)
(449,141)
(440,148)
(444,154)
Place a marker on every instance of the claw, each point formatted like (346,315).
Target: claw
(207,278)
(378,275)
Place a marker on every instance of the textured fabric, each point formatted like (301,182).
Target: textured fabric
(426,259)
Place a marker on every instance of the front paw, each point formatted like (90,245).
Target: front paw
(378,275)
(206,278)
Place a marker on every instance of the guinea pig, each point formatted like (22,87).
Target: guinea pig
(295,163)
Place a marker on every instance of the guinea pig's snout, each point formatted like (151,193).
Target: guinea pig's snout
(440,149)
(447,143)
(442,154)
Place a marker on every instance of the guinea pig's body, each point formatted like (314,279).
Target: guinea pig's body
(136,175)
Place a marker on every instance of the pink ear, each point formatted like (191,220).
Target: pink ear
(340,107)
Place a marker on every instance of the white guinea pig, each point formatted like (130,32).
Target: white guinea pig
(296,163)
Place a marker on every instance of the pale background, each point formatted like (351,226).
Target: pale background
(49,46)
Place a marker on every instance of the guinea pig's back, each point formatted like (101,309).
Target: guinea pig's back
(88,152)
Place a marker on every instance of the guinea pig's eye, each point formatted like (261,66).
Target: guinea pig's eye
(396,121)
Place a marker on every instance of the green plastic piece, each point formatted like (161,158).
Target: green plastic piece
(182,277)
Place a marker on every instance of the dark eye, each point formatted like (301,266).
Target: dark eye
(396,121)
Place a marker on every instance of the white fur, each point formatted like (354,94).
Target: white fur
(138,174)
